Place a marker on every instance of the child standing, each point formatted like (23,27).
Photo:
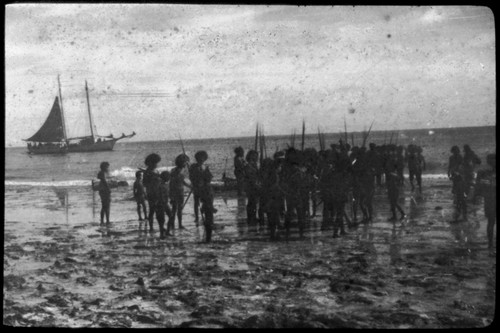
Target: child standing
(104,191)
(140,195)
(177,181)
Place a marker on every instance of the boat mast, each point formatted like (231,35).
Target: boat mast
(62,111)
(90,114)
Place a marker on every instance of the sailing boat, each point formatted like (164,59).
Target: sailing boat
(52,137)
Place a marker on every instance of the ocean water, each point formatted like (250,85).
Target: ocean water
(77,169)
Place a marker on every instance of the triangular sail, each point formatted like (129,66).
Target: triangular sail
(52,130)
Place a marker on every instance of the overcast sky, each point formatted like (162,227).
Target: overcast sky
(214,71)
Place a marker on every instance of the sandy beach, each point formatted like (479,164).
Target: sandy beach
(61,268)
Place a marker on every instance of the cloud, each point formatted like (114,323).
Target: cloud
(432,15)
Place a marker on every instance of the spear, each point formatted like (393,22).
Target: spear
(303,133)
(367,134)
(264,141)
(256,136)
(182,144)
(392,134)
(319,138)
(352,139)
(345,131)
(261,146)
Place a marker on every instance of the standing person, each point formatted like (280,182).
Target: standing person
(326,186)
(486,186)
(165,207)
(374,161)
(416,164)
(151,181)
(104,191)
(470,161)
(177,182)
(454,163)
(206,194)
(295,190)
(400,164)
(195,173)
(341,180)
(252,185)
(239,168)
(271,193)
(140,195)
(392,181)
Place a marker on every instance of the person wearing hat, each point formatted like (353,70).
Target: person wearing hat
(486,186)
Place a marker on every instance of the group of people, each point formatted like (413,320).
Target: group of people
(164,192)
(286,185)
(466,184)
(291,185)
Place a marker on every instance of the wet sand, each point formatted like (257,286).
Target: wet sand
(61,268)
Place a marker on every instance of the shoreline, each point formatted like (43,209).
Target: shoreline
(63,269)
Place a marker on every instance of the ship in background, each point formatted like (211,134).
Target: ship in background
(52,137)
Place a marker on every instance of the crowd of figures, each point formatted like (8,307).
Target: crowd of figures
(294,183)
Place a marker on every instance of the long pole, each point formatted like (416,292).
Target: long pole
(345,130)
(182,145)
(62,111)
(256,136)
(367,134)
(319,138)
(303,134)
(90,114)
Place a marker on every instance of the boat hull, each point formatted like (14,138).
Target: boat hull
(47,150)
(92,147)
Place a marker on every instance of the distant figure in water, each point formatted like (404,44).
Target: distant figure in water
(239,168)
(104,191)
(140,195)
(486,186)
(177,181)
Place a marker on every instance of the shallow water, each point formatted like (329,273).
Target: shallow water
(422,272)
